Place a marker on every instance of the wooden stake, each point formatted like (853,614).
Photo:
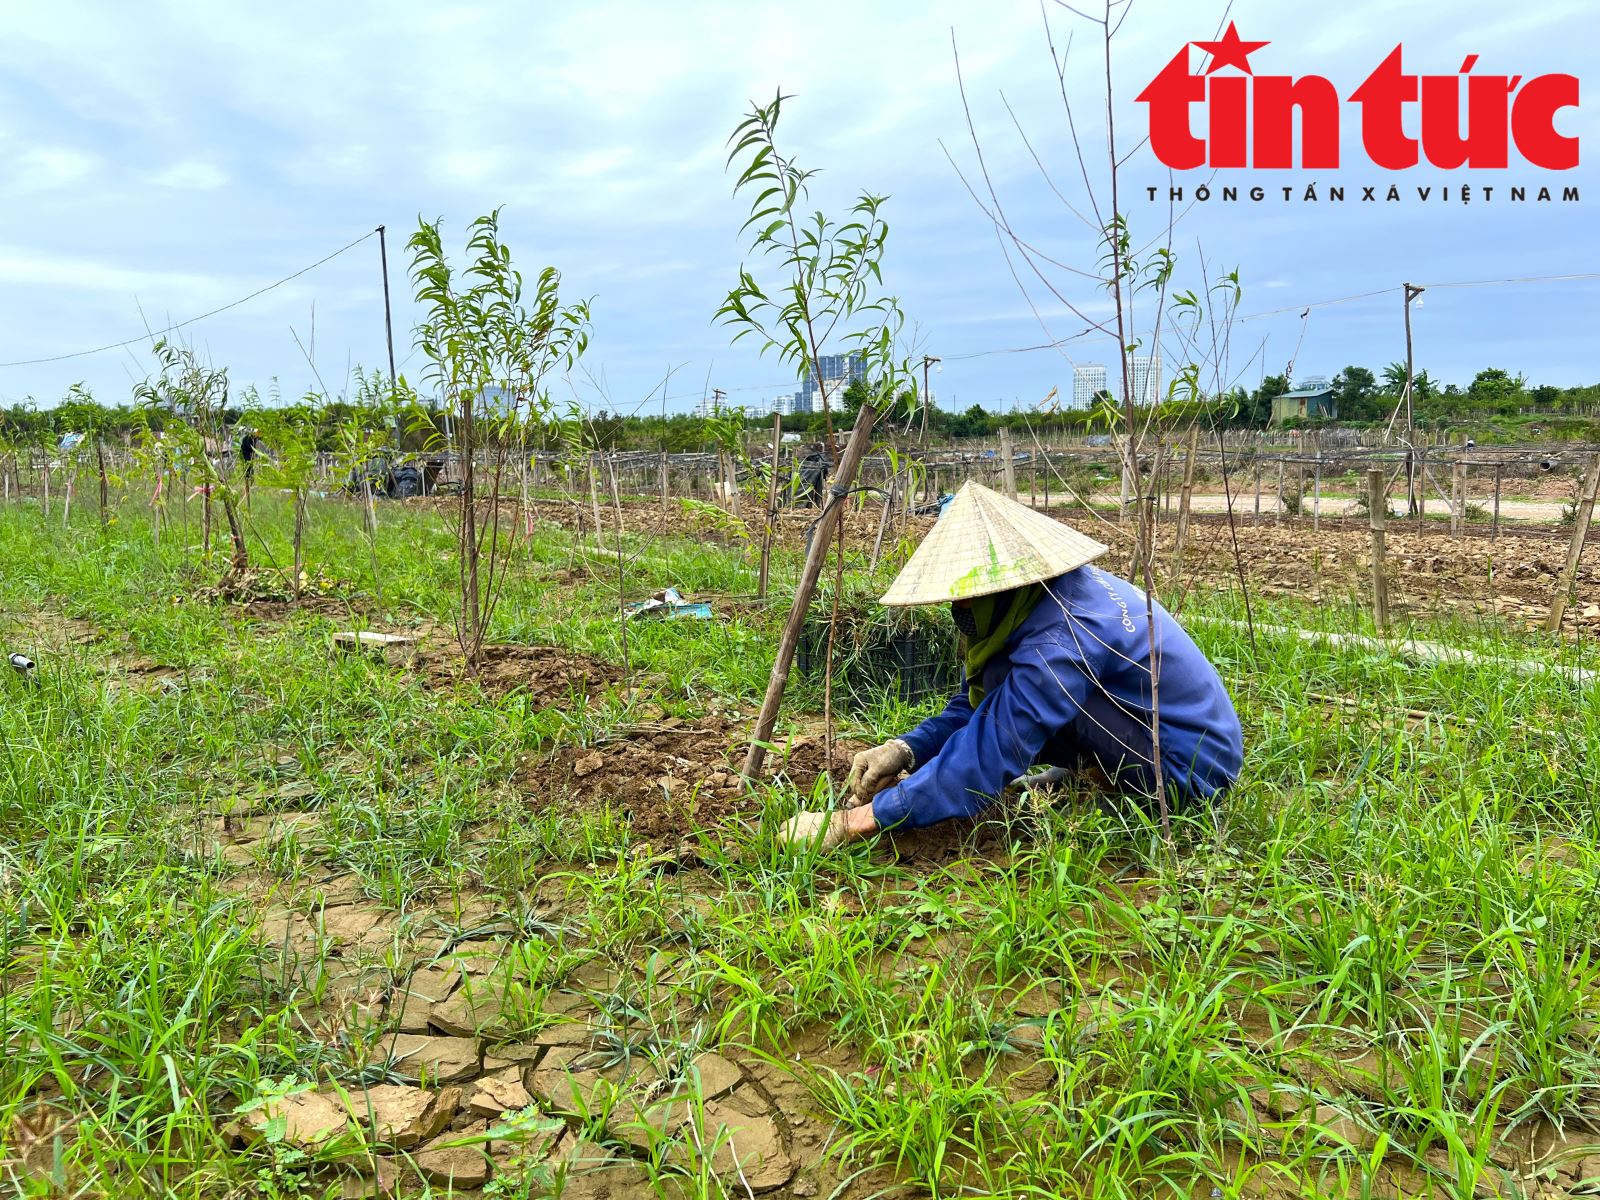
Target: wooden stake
(1278,516)
(1257,516)
(1008,466)
(1377,508)
(663,469)
(1580,531)
(822,535)
(883,523)
(1458,497)
(1494,529)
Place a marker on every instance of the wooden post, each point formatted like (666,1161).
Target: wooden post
(662,465)
(1257,518)
(1580,530)
(1494,529)
(1033,481)
(772,508)
(1008,468)
(1184,498)
(1458,497)
(594,496)
(1377,508)
(1278,518)
(1316,494)
(822,535)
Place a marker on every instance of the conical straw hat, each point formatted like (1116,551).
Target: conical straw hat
(986,543)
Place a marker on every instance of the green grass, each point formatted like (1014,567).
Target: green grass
(1369,971)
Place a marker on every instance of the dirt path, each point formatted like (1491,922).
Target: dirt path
(1344,506)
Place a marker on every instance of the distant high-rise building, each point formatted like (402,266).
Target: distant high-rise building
(835,373)
(1146,379)
(1088,381)
(707,407)
(781,404)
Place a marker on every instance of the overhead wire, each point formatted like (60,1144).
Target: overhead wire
(155,333)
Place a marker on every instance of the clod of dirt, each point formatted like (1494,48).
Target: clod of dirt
(546,674)
(310,1118)
(717,1075)
(452,1166)
(498,1093)
(400,1116)
(470,1012)
(749,1144)
(371,1176)
(435,1059)
(671,777)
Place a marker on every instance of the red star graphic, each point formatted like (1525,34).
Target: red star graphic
(1230,51)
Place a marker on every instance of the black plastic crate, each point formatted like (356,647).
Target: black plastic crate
(916,665)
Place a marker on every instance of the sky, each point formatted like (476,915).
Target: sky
(165,160)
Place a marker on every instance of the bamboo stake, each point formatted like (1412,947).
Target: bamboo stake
(816,554)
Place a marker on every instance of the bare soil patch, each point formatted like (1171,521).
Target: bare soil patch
(671,776)
(548,675)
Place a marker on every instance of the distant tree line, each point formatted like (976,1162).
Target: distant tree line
(1363,398)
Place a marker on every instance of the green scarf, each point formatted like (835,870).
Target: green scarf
(998,616)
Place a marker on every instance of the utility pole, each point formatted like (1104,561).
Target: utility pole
(927,361)
(1411,293)
(716,399)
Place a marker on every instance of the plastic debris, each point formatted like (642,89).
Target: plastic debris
(669,603)
(23,666)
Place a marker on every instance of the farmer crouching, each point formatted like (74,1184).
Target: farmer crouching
(1057,674)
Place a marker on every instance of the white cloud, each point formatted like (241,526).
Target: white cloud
(48,168)
(190,175)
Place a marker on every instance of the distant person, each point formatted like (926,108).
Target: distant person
(249,445)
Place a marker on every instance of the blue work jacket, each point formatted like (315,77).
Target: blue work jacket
(1071,687)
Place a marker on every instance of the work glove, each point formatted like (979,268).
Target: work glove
(821,829)
(873,770)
